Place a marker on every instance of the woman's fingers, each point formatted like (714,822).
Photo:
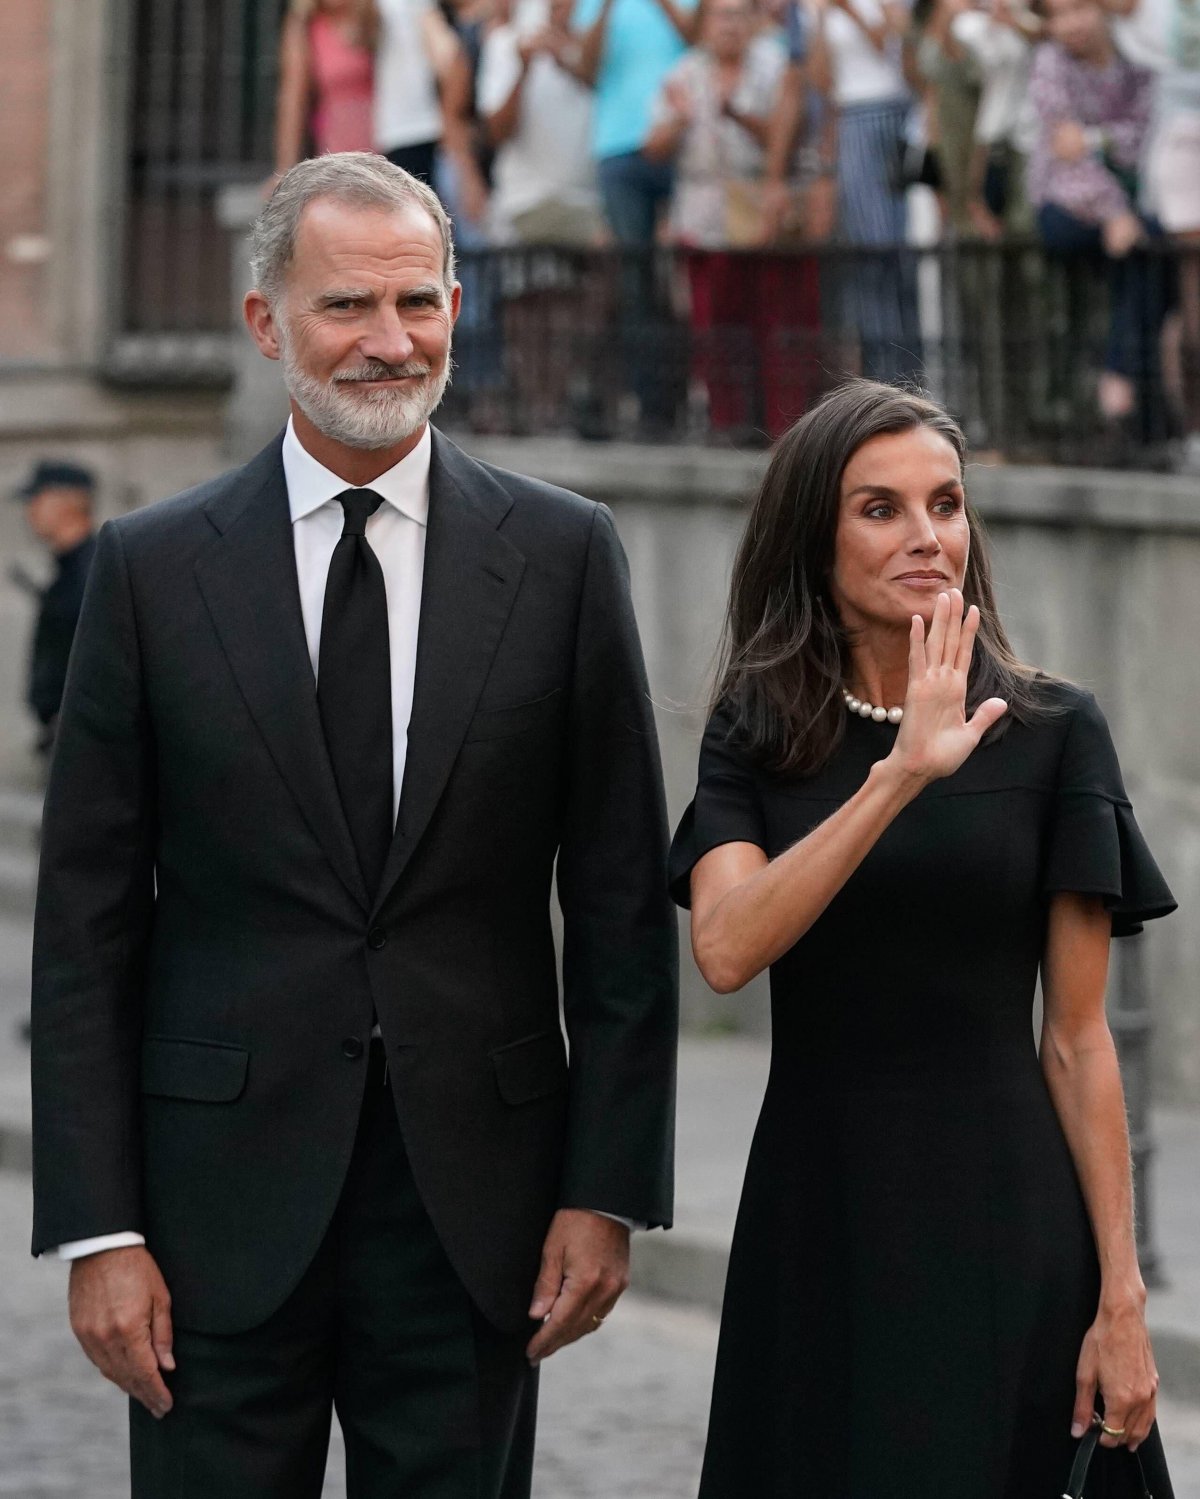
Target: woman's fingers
(966,640)
(1117,1417)
(916,649)
(937,630)
(954,624)
(988,713)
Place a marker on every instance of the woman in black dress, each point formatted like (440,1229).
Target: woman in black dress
(933,1284)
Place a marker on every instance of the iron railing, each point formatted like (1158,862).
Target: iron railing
(605,342)
(731,347)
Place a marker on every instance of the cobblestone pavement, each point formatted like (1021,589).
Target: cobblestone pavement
(622,1413)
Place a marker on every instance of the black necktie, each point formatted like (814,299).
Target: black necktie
(354,685)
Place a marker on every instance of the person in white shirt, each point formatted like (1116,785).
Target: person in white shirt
(414,43)
(857,56)
(538,113)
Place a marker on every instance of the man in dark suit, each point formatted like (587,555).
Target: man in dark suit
(303,1116)
(58,507)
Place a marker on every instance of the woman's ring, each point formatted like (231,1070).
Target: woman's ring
(1112,1431)
(597,1321)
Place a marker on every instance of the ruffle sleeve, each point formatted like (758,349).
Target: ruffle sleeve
(725,808)
(1095,846)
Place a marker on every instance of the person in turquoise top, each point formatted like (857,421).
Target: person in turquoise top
(628,48)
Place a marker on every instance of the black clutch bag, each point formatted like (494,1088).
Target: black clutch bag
(1077,1483)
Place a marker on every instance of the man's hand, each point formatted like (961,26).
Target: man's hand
(121,1314)
(585,1268)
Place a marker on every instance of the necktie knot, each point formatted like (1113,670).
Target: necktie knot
(357,505)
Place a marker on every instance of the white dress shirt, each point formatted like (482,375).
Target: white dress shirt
(396,533)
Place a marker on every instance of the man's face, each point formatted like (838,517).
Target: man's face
(365,322)
(55,511)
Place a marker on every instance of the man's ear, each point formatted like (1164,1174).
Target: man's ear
(260,319)
(455,303)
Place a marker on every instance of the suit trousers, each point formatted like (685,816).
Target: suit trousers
(433,1402)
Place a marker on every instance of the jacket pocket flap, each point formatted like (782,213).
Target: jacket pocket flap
(206,1071)
(531,1068)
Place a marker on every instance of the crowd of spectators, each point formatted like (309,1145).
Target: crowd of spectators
(718,126)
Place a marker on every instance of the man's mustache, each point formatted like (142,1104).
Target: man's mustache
(376,369)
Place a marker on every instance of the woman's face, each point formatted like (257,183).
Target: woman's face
(902,536)
(727,28)
(1079,26)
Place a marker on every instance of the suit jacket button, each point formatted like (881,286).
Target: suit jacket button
(352,1048)
(376,938)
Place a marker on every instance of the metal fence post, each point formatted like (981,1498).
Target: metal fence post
(1130,1019)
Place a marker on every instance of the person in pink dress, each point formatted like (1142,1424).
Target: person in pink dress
(326,80)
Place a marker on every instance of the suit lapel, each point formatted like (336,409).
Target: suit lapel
(248,580)
(470,581)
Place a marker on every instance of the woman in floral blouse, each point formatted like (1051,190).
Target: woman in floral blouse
(1093,112)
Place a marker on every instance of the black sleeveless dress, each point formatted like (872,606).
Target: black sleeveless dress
(913,1269)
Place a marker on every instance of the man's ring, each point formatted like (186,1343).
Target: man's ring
(1112,1431)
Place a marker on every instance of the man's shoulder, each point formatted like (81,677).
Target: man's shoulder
(553,498)
(535,504)
(171,518)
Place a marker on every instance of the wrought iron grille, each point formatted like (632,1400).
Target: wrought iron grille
(199,109)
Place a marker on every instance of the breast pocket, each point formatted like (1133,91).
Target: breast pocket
(519,718)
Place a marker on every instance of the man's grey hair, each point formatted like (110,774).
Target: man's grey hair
(359,179)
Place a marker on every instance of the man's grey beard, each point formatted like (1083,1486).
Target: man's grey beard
(364,418)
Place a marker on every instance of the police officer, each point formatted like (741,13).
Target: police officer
(58,507)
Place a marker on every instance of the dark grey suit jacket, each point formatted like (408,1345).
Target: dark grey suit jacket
(207,957)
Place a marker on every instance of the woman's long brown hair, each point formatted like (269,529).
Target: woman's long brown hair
(785,654)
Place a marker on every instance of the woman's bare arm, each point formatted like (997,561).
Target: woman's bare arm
(1079,1061)
(591,48)
(746,911)
(458,135)
(685,22)
(291,102)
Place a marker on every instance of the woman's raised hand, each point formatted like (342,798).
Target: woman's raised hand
(935,734)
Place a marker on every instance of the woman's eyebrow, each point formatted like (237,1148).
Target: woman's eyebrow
(950,482)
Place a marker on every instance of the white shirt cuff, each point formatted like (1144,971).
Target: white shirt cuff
(631,1224)
(77,1248)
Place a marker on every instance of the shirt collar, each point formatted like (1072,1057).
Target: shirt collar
(405,486)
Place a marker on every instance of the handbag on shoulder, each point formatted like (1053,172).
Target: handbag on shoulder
(1077,1483)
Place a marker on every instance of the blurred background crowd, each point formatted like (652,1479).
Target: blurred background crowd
(806,164)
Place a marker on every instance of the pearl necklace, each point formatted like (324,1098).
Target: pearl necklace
(869,710)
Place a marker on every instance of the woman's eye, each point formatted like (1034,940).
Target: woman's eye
(948,506)
(880,509)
